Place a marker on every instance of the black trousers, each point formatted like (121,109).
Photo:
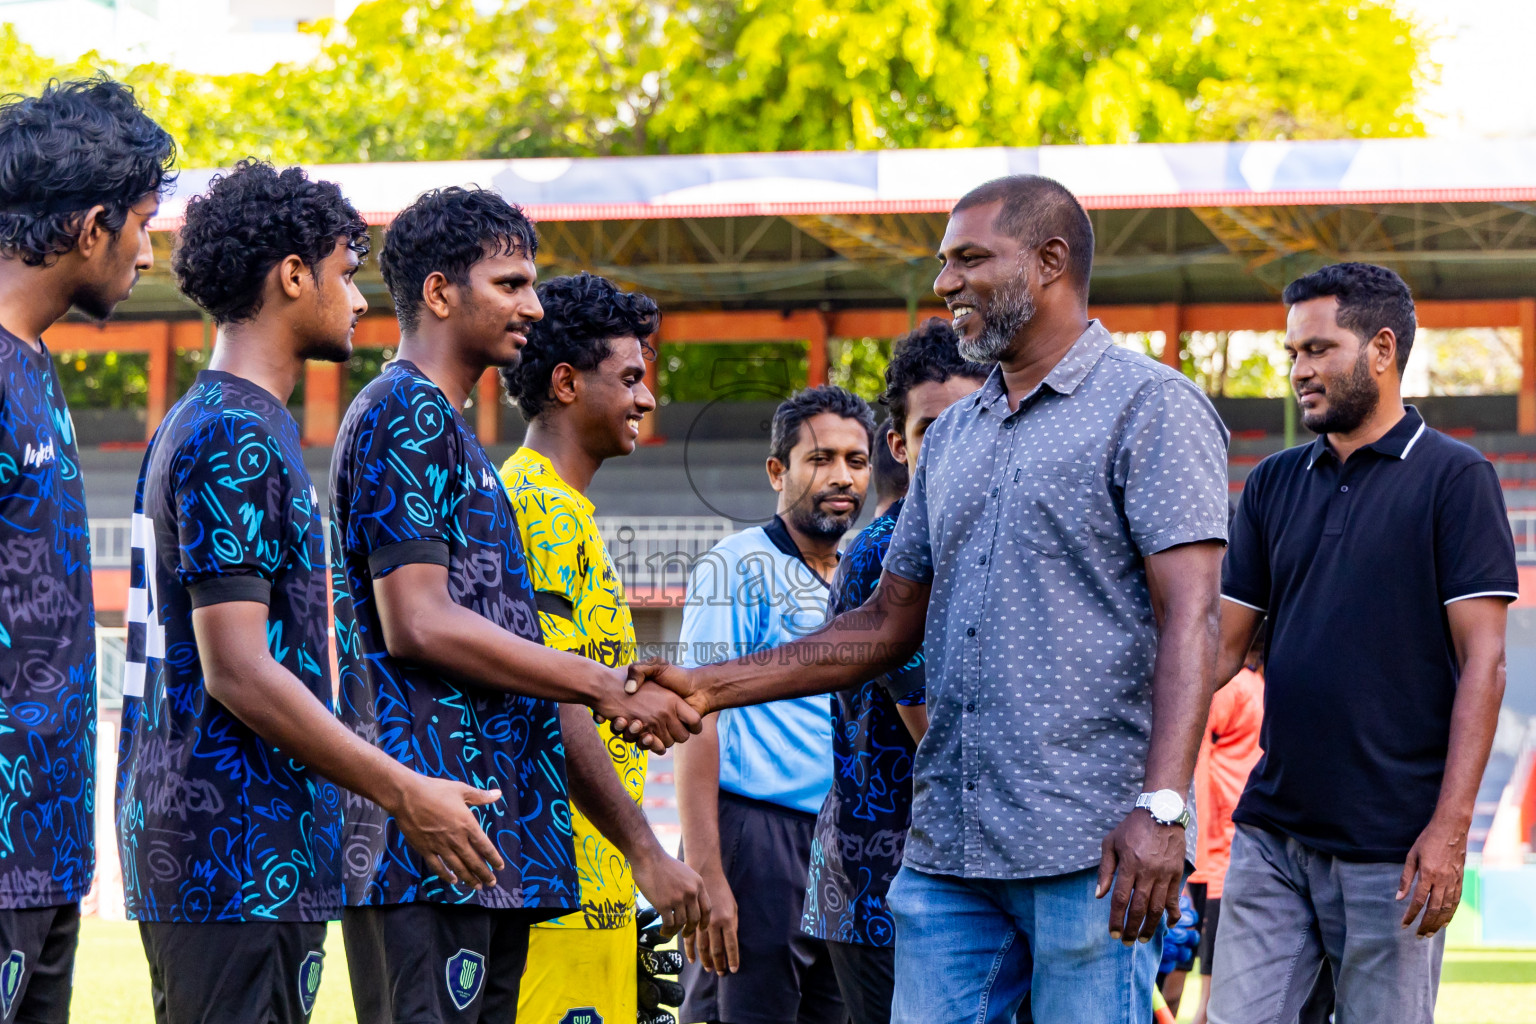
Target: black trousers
(786,976)
(432,962)
(37,963)
(248,972)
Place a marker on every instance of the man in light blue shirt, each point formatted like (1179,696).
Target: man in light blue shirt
(750,785)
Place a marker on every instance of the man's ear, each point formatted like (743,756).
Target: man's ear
(435,294)
(1383,348)
(92,235)
(896,441)
(562,383)
(776,471)
(289,276)
(1055,257)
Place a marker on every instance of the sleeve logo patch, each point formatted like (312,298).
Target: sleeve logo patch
(11,972)
(309,980)
(466,974)
(582,1015)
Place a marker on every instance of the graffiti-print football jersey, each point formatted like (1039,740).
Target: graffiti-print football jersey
(47,642)
(213,822)
(410,484)
(862,829)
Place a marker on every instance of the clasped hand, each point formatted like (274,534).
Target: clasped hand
(647,713)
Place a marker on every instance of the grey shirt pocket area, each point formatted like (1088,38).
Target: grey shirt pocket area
(1050,505)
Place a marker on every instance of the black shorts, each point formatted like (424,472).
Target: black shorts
(1209,910)
(786,976)
(37,963)
(425,963)
(234,972)
(866,976)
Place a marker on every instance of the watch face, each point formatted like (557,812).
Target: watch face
(1166,805)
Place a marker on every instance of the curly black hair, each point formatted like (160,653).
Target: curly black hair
(929,353)
(1370,298)
(447,231)
(80,144)
(582,314)
(802,405)
(248,222)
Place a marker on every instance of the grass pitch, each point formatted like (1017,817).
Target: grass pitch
(1478,986)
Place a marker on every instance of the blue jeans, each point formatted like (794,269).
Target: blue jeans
(967,950)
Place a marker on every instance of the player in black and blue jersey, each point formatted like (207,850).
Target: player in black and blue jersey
(439,645)
(229,813)
(81,172)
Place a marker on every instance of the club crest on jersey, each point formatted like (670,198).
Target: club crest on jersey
(11,972)
(582,1015)
(309,980)
(466,973)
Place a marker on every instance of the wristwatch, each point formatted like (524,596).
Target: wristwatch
(1165,806)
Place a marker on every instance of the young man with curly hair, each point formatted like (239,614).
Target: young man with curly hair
(580,384)
(862,829)
(442,657)
(81,172)
(229,816)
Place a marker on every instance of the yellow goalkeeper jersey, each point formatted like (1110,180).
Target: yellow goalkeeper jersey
(581,609)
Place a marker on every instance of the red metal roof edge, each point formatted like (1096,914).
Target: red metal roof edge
(1152,200)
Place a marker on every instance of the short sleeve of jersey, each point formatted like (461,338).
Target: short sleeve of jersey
(404,500)
(910,555)
(1171,468)
(1245,568)
(1474,549)
(721,618)
(553,542)
(230,494)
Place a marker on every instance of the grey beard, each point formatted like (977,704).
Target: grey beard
(816,523)
(1005,317)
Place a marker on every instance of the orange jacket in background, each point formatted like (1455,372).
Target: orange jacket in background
(1228,753)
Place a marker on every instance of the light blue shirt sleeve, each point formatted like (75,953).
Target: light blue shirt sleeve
(741,600)
(717,626)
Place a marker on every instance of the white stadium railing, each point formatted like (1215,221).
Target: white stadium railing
(649,551)
(652,552)
(1522,524)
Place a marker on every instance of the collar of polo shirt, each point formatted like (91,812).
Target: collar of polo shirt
(1397,442)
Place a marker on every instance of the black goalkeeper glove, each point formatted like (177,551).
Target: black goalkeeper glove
(656,990)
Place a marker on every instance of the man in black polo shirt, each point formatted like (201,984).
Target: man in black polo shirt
(1383,557)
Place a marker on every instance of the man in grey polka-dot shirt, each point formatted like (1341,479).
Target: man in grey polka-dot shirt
(1060,553)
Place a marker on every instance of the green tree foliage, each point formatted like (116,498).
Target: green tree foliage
(441,79)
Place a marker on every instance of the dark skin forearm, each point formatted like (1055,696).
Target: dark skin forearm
(674,890)
(433,814)
(1239,625)
(915,718)
(241,675)
(1434,869)
(596,790)
(1477,630)
(1143,861)
(698,808)
(423,624)
(879,636)
(1186,605)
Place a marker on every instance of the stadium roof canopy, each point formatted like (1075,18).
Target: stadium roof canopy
(1187,223)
